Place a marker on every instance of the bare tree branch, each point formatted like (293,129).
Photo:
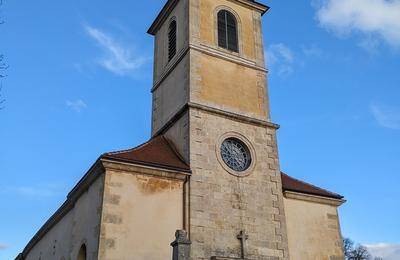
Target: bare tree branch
(358,252)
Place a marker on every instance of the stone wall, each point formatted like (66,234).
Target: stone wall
(180,13)
(178,135)
(222,204)
(171,78)
(171,95)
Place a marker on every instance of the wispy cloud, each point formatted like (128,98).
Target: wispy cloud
(312,51)
(387,117)
(375,19)
(40,190)
(76,105)
(280,59)
(116,58)
(3,246)
(385,251)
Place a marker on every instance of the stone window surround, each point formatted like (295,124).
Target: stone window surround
(243,139)
(238,28)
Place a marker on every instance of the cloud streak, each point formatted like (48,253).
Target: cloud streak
(375,19)
(385,251)
(45,190)
(386,117)
(76,105)
(280,59)
(116,58)
(3,246)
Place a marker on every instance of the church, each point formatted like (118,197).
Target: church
(208,184)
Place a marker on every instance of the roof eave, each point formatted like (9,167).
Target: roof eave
(91,175)
(162,15)
(314,198)
(333,196)
(149,164)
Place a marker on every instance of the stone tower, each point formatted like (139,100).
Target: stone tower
(210,100)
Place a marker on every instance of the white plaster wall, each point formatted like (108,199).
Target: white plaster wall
(141,213)
(313,231)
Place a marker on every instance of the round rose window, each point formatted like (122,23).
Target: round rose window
(235,154)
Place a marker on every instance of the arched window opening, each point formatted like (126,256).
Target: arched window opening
(82,253)
(171,40)
(227,31)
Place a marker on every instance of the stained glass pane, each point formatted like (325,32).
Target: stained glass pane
(235,154)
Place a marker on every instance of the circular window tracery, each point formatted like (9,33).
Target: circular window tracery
(235,154)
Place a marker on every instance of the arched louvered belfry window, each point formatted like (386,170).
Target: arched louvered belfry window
(227,31)
(171,40)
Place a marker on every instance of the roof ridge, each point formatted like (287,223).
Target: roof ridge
(156,151)
(173,148)
(316,187)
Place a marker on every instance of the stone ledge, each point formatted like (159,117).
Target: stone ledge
(227,258)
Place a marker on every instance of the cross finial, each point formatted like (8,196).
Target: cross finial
(242,237)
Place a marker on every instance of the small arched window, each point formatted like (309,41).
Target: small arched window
(171,40)
(82,253)
(227,31)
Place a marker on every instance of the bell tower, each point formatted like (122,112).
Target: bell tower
(210,99)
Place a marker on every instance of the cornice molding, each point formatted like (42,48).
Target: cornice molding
(162,16)
(170,67)
(216,52)
(313,198)
(133,168)
(233,115)
(170,5)
(208,51)
(241,118)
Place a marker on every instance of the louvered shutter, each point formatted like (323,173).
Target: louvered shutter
(232,32)
(227,31)
(172,40)
(222,33)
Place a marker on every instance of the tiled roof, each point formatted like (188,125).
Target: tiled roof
(292,184)
(157,152)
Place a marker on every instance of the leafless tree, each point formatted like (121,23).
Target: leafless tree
(358,252)
(348,246)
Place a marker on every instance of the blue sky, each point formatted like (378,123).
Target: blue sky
(79,85)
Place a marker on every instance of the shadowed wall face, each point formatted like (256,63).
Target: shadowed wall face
(76,230)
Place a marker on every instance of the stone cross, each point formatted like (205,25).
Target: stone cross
(242,237)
